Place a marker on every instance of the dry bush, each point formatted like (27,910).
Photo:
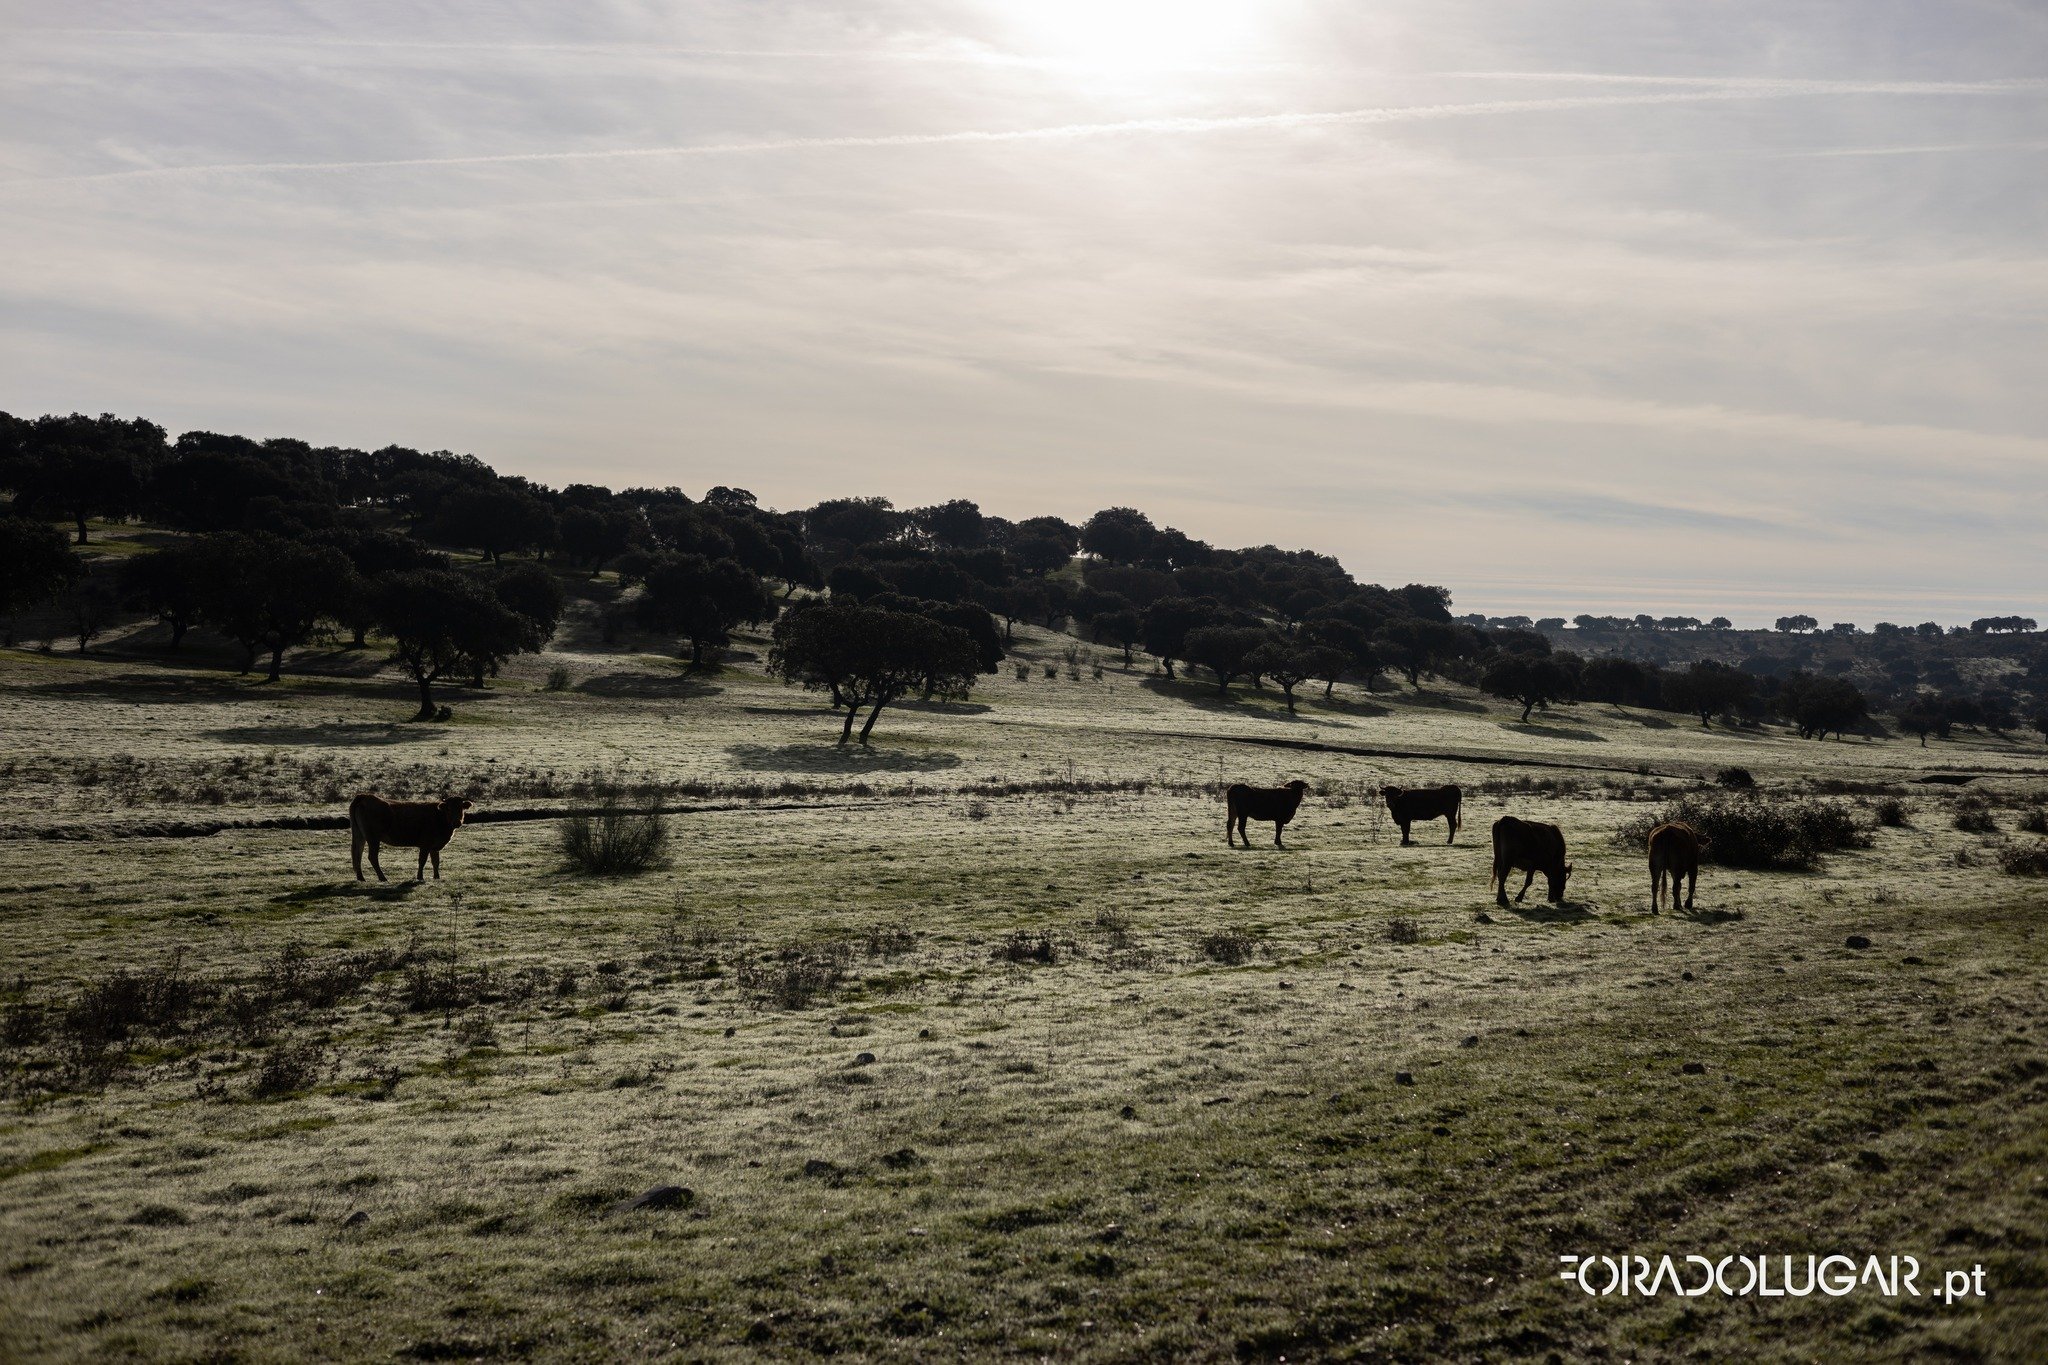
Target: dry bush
(2034,821)
(1023,946)
(1973,816)
(1736,779)
(288,1068)
(2024,860)
(614,840)
(1231,947)
(793,977)
(1400,930)
(1891,813)
(1757,831)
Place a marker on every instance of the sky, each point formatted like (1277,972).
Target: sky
(1699,307)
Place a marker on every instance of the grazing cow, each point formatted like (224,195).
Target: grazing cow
(1277,804)
(424,825)
(1527,846)
(1409,804)
(1675,853)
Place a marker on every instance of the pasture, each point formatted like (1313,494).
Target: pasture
(981,1043)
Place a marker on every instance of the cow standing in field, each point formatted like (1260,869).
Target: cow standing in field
(1409,804)
(1675,853)
(1278,804)
(424,825)
(1531,847)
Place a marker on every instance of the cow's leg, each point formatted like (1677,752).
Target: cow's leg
(355,848)
(422,874)
(437,864)
(376,866)
(1528,877)
(1405,840)
(1656,886)
(1278,825)
(1500,876)
(1450,829)
(1692,885)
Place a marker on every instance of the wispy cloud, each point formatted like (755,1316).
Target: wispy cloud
(1749,90)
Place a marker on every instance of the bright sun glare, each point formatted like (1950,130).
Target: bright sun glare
(1132,36)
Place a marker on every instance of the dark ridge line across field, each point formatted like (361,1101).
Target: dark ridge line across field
(200,829)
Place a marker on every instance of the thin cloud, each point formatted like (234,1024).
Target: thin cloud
(1748,90)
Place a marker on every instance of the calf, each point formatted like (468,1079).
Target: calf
(424,825)
(1409,804)
(1527,846)
(1278,804)
(1675,853)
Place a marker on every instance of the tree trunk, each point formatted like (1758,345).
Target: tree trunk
(869,724)
(426,711)
(276,663)
(1169,665)
(1127,656)
(1290,699)
(696,654)
(80,517)
(846,731)
(1329,689)
(178,629)
(360,638)
(1527,707)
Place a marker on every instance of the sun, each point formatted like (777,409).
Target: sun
(1133,36)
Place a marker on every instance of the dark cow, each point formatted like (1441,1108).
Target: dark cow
(1277,804)
(1409,804)
(1527,846)
(1675,853)
(424,825)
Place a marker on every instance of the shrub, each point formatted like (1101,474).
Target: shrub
(2024,860)
(2034,821)
(558,679)
(1736,779)
(793,977)
(1973,816)
(1754,831)
(1022,947)
(1231,947)
(613,840)
(288,1068)
(1891,813)
(1403,931)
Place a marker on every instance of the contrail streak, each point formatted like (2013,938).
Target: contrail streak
(1074,131)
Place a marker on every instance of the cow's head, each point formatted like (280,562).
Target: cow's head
(1390,794)
(1557,881)
(453,809)
(1297,786)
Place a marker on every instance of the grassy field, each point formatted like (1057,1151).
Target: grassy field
(982,1043)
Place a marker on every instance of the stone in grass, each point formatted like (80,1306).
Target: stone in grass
(1857,941)
(817,1168)
(1128,1111)
(356,1219)
(1694,1068)
(902,1159)
(1404,1078)
(660,1197)
(863,1059)
(1470,1040)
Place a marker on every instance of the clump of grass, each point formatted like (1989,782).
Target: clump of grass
(558,679)
(890,940)
(1401,930)
(977,809)
(793,977)
(1891,813)
(1023,672)
(1231,947)
(2034,821)
(614,840)
(443,985)
(1736,779)
(2024,860)
(1973,816)
(1756,831)
(1023,947)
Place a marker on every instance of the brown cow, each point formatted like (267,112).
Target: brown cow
(1527,846)
(424,825)
(1675,853)
(1278,804)
(1409,804)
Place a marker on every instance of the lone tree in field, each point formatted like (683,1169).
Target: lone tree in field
(702,600)
(444,625)
(1531,679)
(1817,706)
(35,564)
(1290,665)
(1225,651)
(1923,718)
(1708,689)
(870,656)
(267,594)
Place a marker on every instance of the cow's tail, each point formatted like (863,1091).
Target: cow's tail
(1457,815)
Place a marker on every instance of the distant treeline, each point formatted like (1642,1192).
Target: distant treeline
(283,543)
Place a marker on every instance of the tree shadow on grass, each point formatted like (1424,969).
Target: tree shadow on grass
(1441,701)
(827,757)
(1642,718)
(1350,707)
(1234,703)
(1552,732)
(680,685)
(396,889)
(336,733)
(942,708)
(1543,912)
(157,687)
